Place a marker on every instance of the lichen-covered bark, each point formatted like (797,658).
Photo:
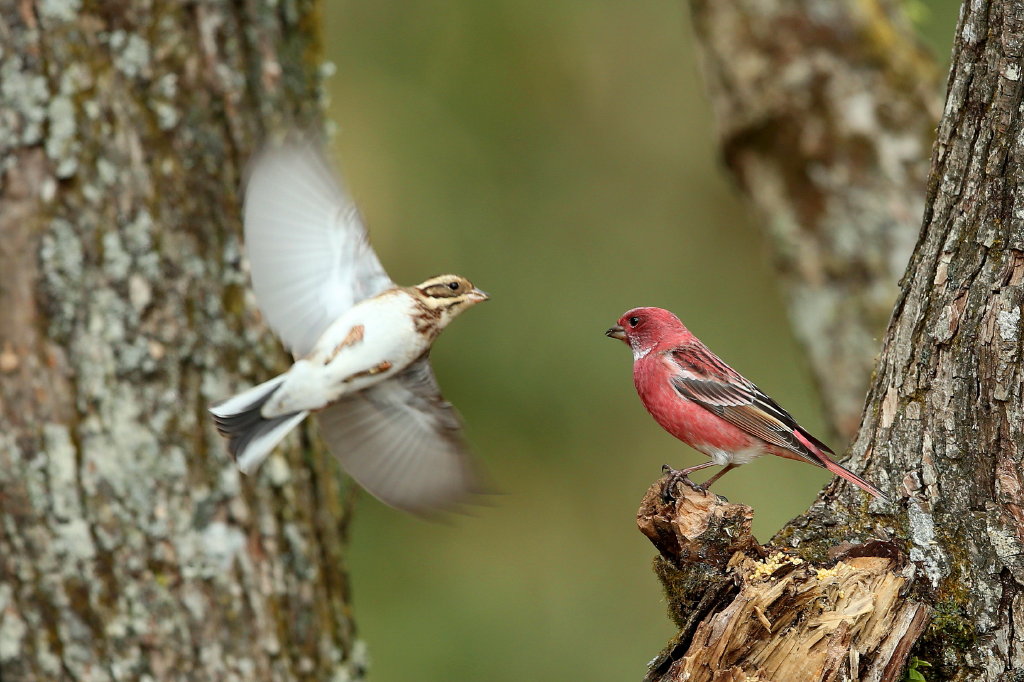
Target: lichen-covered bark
(130,547)
(825,110)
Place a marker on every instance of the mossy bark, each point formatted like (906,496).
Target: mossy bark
(943,430)
(824,111)
(130,547)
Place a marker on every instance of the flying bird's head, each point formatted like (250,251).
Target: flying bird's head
(644,328)
(447,296)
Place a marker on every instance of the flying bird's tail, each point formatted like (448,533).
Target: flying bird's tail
(251,436)
(840,470)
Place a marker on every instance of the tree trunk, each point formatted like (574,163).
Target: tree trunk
(943,431)
(825,110)
(130,547)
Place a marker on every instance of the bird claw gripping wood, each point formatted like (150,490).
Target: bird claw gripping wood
(673,477)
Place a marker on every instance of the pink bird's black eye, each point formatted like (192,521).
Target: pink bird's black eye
(634,321)
(454,286)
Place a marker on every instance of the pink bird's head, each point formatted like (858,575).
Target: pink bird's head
(644,328)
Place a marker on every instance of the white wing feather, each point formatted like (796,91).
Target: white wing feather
(402,442)
(310,257)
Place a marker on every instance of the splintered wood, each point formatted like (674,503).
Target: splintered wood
(781,619)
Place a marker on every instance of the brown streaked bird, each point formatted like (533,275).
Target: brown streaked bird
(361,342)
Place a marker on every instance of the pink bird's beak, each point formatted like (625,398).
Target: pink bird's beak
(616,332)
(478,296)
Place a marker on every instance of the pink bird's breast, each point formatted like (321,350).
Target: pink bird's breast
(691,423)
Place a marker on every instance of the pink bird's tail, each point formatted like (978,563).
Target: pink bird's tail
(840,470)
(821,453)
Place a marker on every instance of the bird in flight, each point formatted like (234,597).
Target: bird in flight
(710,406)
(360,341)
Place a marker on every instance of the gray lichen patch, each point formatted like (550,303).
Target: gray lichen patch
(26,97)
(925,549)
(12,627)
(62,473)
(61,144)
(1009,322)
(131,53)
(58,10)
(221,544)
(62,263)
(165,92)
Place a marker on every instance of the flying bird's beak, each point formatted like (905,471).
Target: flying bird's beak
(478,296)
(616,332)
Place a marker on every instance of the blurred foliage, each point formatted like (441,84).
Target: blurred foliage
(560,154)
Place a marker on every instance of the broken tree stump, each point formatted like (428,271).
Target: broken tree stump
(753,613)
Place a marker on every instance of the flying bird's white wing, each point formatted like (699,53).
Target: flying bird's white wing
(402,442)
(307,246)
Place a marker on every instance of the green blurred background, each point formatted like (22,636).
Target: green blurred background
(560,154)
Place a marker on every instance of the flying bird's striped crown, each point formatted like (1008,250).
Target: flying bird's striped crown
(447,291)
(440,299)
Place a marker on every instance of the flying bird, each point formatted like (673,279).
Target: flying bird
(710,406)
(360,341)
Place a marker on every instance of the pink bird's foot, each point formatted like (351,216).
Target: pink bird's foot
(673,478)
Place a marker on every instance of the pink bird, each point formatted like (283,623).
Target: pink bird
(710,406)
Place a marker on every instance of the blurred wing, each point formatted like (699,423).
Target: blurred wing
(706,380)
(402,442)
(307,247)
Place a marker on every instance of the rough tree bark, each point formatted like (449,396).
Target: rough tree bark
(943,431)
(130,548)
(825,110)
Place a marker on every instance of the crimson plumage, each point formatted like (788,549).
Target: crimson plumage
(694,395)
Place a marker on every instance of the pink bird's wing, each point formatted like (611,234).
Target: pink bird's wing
(706,380)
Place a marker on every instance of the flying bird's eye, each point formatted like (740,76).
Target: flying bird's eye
(454,286)
(634,321)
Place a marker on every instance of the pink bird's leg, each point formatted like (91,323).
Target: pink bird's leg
(677,476)
(724,470)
